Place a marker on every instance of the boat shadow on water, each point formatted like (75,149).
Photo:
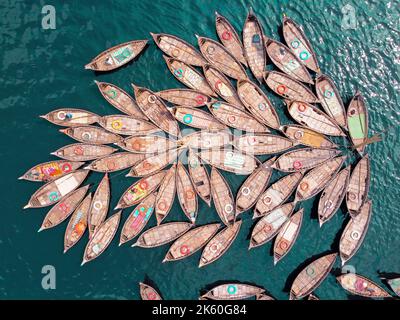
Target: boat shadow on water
(152,284)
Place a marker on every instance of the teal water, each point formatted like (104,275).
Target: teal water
(42,70)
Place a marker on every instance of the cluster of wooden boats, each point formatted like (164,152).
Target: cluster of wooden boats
(149,140)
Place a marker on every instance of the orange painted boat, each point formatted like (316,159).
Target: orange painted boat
(196,118)
(255,100)
(307,137)
(49,171)
(253,46)
(235,117)
(140,190)
(115,162)
(184,97)
(53,191)
(127,126)
(61,211)
(312,276)
(189,76)
(217,55)
(77,224)
(287,61)
(186,193)
(154,163)
(83,152)
(218,245)
(277,194)
(148,293)
(223,198)
(229,38)
(156,110)
(361,286)
(149,144)
(178,49)
(166,195)
(117,56)
(91,134)
(102,238)
(191,242)
(120,99)
(206,139)
(289,88)
(99,207)
(70,117)
(262,144)
(254,186)
(199,176)
(138,219)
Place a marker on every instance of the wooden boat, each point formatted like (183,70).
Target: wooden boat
(277,194)
(333,195)
(394,285)
(148,293)
(299,44)
(217,55)
(162,234)
(184,97)
(221,85)
(229,38)
(233,291)
(166,195)
(289,88)
(197,118)
(253,187)
(140,190)
(91,134)
(357,191)
(49,171)
(186,193)
(219,244)
(231,161)
(199,176)
(258,103)
(83,152)
(307,137)
(77,223)
(191,242)
(253,46)
(102,238)
(287,236)
(117,56)
(154,163)
(330,99)
(312,276)
(270,224)
(235,117)
(120,99)
(357,120)
(63,210)
(55,190)
(206,139)
(156,110)
(303,159)
(316,179)
(149,144)
(287,61)
(354,233)
(99,207)
(127,126)
(312,117)
(115,162)
(223,198)
(312,297)
(178,49)
(261,144)
(70,117)
(189,76)
(138,219)
(264,296)
(361,286)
